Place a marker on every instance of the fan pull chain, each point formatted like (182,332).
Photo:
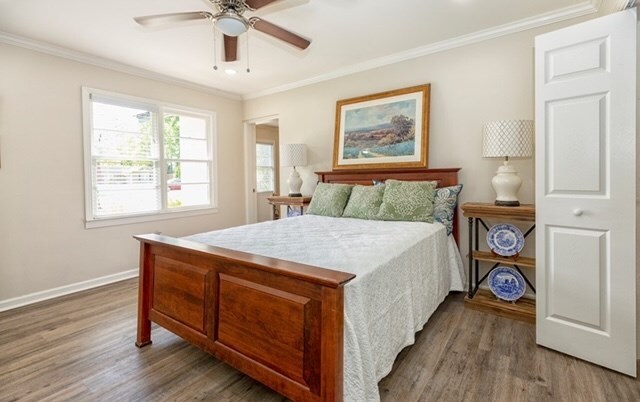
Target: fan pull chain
(248,69)
(215,52)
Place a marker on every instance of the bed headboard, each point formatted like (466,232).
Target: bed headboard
(444,177)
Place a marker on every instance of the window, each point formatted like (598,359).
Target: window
(145,159)
(265,175)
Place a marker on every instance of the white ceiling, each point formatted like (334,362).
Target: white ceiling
(347,35)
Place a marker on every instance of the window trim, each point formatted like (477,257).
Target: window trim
(165,213)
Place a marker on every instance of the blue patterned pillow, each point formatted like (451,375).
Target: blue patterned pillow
(444,205)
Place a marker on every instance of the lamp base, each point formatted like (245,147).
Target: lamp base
(295,183)
(506,184)
(507,203)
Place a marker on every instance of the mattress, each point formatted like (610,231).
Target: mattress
(404,270)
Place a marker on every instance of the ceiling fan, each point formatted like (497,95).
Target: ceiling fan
(230,21)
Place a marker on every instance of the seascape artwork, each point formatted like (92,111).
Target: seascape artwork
(380,131)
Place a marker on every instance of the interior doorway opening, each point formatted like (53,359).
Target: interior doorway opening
(262,167)
(267,168)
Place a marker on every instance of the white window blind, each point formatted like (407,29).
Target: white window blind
(145,158)
(265,174)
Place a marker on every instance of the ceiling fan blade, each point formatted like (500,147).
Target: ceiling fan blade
(256,4)
(280,33)
(230,48)
(150,20)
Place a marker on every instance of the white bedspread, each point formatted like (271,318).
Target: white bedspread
(404,271)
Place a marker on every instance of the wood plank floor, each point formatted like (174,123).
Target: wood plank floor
(80,348)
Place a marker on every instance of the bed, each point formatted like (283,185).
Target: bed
(279,315)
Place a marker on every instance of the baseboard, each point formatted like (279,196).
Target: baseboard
(65,290)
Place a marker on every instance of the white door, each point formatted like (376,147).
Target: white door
(585,190)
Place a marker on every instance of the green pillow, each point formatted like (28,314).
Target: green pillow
(329,199)
(364,202)
(408,201)
(444,206)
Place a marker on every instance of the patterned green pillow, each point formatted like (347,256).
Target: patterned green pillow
(444,206)
(329,199)
(408,201)
(364,202)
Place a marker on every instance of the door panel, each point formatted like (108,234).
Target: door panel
(580,58)
(577,260)
(576,137)
(585,190)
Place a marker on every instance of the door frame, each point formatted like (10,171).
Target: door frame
(251,196)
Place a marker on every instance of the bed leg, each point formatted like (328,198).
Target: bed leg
(143,340)
(144,296)
(333,343)
(144,332)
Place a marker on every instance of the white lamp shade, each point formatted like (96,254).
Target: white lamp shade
(508,138)
(293,155)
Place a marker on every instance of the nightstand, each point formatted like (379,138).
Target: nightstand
(295,205)
(479,299)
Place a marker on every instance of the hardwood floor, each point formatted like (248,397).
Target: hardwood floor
(80,348)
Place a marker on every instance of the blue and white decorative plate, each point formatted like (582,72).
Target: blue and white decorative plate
(505,239)
(507,283)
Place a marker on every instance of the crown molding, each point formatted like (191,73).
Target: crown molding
(578,10)
(86,58)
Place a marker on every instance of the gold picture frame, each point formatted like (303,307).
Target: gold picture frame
(384,130)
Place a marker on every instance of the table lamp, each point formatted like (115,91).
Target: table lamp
(294,155)
(507,139)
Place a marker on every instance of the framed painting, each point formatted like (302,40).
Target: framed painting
(384,130)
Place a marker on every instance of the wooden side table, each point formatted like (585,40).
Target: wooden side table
(292,203)
(524,309)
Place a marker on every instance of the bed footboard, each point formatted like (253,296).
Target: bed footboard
(277,321)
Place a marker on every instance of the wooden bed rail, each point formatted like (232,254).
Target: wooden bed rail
(279,322)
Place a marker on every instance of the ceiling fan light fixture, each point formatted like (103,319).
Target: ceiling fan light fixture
(231,24)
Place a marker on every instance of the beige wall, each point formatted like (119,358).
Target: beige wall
(43,242)
(471,85)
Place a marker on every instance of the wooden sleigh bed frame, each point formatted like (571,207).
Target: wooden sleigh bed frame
(277,321)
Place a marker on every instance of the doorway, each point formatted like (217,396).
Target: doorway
(262,167)
(267,168)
